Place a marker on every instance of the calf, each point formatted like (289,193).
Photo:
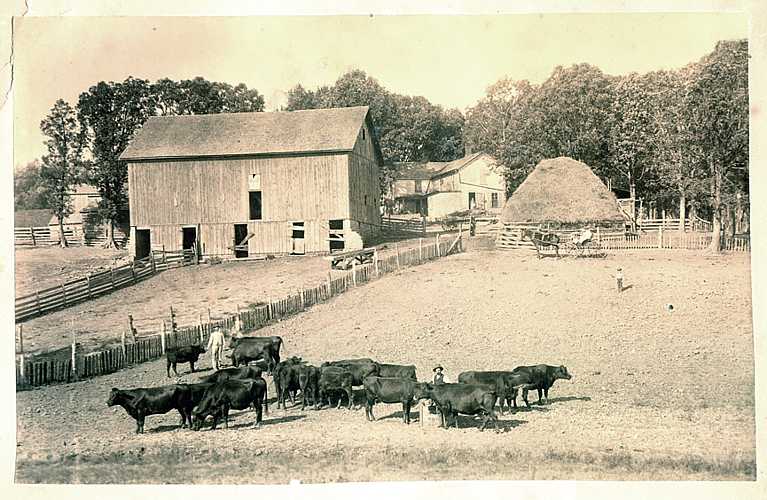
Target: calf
(359,368)
(150,401)
(399,371)
(230,394)
(185,354)
(274,341)
(308,381)
(334,379)
(540,377)
(246,352)
(286,380)
(469,399)
(504,383)
(392,390)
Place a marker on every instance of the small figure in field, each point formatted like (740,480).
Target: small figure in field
(216,348)
(439,377)
(619,279)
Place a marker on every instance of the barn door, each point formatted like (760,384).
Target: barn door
(298,242)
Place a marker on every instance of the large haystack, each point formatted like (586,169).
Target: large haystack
(563,192)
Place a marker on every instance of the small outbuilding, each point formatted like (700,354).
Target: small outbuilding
(561,195)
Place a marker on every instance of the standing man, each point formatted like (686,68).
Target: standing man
(216,347)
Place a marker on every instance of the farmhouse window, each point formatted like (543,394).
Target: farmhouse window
(419,186)
(254,201)
(494,200)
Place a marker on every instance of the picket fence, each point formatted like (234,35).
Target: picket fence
(93,285)
(37,372)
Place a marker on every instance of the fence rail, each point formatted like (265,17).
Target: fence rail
(49,236)
(73,292)
(37,372)
(403,227)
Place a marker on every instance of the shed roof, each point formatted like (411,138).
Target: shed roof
(562,190)
(239,134)
(432,169)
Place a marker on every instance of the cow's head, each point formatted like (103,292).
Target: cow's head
(197,349)
(561,372)
(234,341)
(113,397)
(422,391)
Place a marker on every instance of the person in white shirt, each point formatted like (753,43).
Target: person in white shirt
(216,348)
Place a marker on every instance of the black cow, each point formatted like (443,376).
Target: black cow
(286,380)
(393,390)
(238,373)
(275,341)
(359,368)
(399,371)
(540,377)
(504,383)
(191,396)
(230,394)
(469,399)
(185,354)
(334,379)
(245,352)
(309,382)
(150,401)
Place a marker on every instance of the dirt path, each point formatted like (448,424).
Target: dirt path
(640,404)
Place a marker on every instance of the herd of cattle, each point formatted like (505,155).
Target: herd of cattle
(241,387)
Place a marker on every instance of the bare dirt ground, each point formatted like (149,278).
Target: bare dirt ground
(38,268)
(655,394)
(190,290)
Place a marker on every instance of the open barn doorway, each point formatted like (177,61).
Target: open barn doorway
(240,241)
(297,238)
(143,247)
(188,238)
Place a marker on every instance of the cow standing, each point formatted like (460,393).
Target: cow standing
(227,395)
(246,352)
(286,380)
(141,402)
(185,354)
(541,378)
(469,399)
(393,390)
(334,379)
(504,383)
(309,382)
(237,373)
(274,341)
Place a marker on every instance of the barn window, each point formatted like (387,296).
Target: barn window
(494,200)
(254,201)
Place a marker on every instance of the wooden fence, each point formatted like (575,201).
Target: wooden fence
(403,228)
(511,238)
(73,292)
(49,235)
(694,224)
(36,372)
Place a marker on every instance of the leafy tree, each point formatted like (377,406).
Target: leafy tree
(718,103)
(62,167)
(110,113)
(200,96)
(27,187)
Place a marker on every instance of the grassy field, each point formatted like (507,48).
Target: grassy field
(655,394)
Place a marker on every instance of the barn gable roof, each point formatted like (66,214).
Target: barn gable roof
(432,169)
(242,134)
(562,190)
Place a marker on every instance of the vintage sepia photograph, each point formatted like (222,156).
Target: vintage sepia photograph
(375,248)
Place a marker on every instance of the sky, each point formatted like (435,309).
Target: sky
(450,60)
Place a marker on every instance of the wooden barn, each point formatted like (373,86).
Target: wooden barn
(240,184)
(560,195)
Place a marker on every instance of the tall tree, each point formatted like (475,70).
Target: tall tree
(62,167)
(718,100)
(110,114)
(27,187)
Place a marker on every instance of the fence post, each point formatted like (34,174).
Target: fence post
(64,294)
(162,337)
(330,284)
(375,261)
(199,323)
(354,273)
(131,328)
(438,251)
(74,353)
(88,280)
(122,343)
(21,351)
(396,248)
(32,232)
(270,309)
(112,275)
(660,236)
(303,299)
(151,258)
(420,250)
(133,271)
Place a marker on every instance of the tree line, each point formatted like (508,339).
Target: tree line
(677,137)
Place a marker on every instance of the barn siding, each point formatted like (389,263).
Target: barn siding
(164,196)
(364,186)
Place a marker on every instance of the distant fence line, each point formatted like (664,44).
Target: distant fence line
(79,290)
(150,347)
(49,236)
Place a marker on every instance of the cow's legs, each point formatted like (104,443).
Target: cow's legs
(174,369)
(546,395)
(167,368)
(350,394)
(183,418)
(406,412)
(259,413)
(140,423)
(524,397)
(191,366)
(540,396)
(369,409)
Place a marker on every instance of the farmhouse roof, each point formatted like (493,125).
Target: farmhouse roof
(562,190)
(432,169)
(37,217)
(239,134)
